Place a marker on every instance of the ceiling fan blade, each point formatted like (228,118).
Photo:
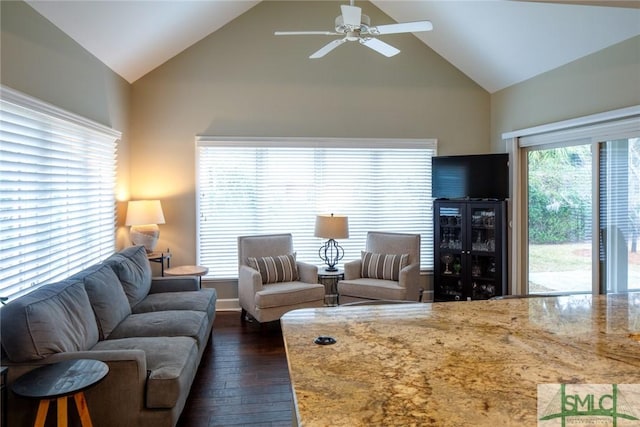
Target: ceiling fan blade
(351,15)
(304,33)
(327,48)
(405,27)
(380,47)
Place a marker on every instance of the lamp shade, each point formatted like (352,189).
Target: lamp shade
(332,226)
(142,212)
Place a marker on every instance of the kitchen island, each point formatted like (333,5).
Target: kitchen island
(472,363)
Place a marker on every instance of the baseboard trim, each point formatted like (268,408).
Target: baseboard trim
(230,304)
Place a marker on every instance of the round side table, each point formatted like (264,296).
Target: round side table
(58,381)
(187,270)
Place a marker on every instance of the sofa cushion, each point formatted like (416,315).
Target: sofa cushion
(107,297)
(54,318)
(274,269)
(172,323)
(172,363)
(288,293)
(201,300)
(134,271)
(383,266)
(372,289)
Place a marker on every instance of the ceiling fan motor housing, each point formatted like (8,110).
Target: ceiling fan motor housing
(362,29)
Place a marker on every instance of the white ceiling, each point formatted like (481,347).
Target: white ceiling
(497,43)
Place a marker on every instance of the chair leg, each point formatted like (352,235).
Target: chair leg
(243,316)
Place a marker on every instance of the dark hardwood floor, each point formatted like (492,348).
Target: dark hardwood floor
(243,379)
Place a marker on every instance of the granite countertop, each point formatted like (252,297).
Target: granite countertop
(455,364)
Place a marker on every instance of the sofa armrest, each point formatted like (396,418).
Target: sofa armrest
(352,269)
(249,278)
(409,279)
(407,274)
(308,273)
(174,284)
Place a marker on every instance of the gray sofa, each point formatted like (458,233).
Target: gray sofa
(151,332)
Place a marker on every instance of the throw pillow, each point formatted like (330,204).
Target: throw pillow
(383,266)
(281,268)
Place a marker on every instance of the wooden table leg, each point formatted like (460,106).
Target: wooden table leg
(62,411)
(83,409)
(41,417)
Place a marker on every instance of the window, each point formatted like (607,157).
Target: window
(258,186)
(57,204)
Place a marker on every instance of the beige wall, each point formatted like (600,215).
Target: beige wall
(40,60)
(244,81)
(604,81)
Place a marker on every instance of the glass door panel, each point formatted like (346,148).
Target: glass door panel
(620,215)
(450,237)
(560,219)
(483,255)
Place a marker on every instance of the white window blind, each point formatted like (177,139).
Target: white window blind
(57,203)
(258,186)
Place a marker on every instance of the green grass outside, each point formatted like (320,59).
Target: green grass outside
(559,257)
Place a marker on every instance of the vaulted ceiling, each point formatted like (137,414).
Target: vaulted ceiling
(497,43)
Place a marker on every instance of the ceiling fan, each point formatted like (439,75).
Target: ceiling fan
(356,26)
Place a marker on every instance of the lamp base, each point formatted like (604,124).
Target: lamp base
(145,235)
(331,252)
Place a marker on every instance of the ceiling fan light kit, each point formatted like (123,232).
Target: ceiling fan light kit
(356,26)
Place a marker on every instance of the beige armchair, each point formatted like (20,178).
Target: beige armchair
(271,282)
(391,269)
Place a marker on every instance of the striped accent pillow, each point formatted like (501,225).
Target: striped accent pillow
(275,269)
(381,266)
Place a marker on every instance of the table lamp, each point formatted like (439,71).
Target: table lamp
(331,227)
(144,216)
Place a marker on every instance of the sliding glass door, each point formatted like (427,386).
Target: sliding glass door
(583,211)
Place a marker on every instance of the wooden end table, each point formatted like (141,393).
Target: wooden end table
(188,270)
(58,381)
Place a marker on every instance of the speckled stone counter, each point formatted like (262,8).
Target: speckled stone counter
(455,364)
